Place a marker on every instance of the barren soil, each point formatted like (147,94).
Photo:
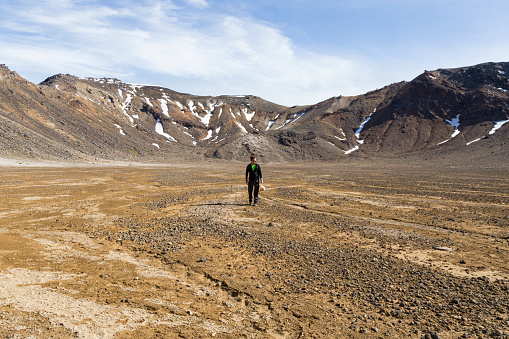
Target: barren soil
(331,251)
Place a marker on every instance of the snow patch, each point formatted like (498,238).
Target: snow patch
(300,116)
(164,107)
(358,132)
(156,145)
(205,119)
(272,122)
(249,116)
(192,108)
(454,122)
(135,87)
(120,129)
(344,136)
(498,124)
(213,105)
(286,122)
(160,131)
(352,150)
(217,133)
(291,120)
(189,134)
(209,135)
(361,127)
(471,142)
(241,127)
(125,105)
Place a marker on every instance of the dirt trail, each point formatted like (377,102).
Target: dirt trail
(104,252)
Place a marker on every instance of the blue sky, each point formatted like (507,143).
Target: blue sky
(289,52)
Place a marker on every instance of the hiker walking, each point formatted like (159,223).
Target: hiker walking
(253,179)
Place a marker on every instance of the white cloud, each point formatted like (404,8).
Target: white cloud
(219,53)
(199,3)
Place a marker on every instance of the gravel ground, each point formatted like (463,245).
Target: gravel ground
(331,251)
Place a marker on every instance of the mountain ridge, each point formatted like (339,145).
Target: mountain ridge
(446,111)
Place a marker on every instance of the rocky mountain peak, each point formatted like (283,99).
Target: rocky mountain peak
(58,78)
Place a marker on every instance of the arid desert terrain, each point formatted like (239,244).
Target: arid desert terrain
(354,250)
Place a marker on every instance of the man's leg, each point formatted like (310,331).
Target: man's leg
(256,189)
(250,191)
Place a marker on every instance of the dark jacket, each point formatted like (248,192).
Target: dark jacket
(255,175)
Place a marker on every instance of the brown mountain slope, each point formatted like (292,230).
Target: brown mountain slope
(460,112)
(427,111)
(456,111)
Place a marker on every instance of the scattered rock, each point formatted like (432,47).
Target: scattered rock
(441,248)
(497,333)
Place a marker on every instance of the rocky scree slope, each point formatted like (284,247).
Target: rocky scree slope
(447,113)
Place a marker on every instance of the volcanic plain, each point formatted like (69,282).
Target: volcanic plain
(352,250)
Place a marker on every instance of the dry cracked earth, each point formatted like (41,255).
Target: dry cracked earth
(331,251)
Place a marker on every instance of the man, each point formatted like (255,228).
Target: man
(253,179)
